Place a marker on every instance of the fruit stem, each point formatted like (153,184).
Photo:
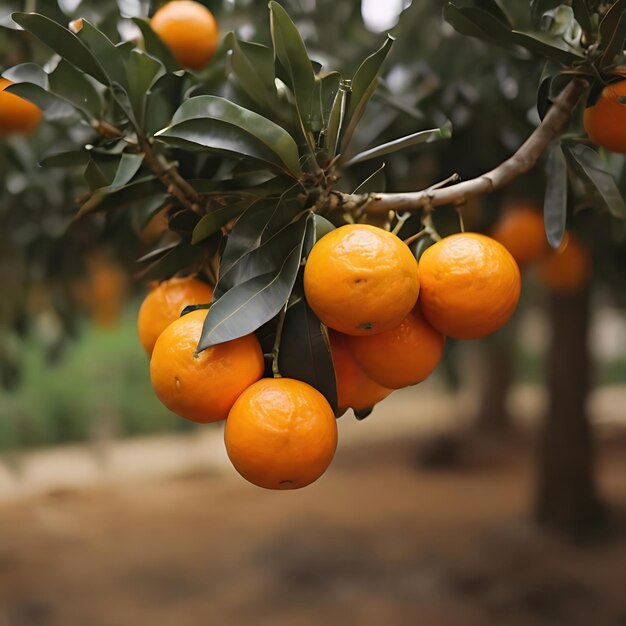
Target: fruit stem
(276,348)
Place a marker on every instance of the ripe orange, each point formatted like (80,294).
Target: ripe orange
(361,280)
(17,116)
(605,120)
(355,389)
(165,303)
(521,231)
(189,30)
(281,434)
(202,388)
(470,285)
(103,292)
(402,356)
(567,269)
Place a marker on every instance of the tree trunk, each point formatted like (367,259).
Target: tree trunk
(567,498)
(497,378)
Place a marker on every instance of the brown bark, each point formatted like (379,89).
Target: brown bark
(567,497)
(497,378)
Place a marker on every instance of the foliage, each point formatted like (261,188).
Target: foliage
(250,156)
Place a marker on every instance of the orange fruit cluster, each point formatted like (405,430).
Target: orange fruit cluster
(387,319)
(389,316)
(281,433)
(521,231)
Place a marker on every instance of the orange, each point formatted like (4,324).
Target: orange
(76,25)
(605,120)
(281,434)
(470,285)
(361,280)
(17,116)
(165,303)
(189,30)
(355,389)
(103,292)
(521,231)
(202,387)
(402,356)
(567,269)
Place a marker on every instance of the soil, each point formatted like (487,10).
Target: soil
(381,539)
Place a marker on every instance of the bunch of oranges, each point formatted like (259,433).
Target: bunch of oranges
(387,317)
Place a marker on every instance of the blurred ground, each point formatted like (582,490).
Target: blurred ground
(378,540)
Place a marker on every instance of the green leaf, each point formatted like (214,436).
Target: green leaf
(63,42)
(555,202)
(27,73)
(142,71)
(70,158)
(475,22)
(424,136)
(128,167)
(250,304)
(304,352)
(246,122)
(108,54)
(142,192)
(291,52)
(265,258)
(591,164)
(154,46)
(183,256)
(363,86)
(335,121)
(72,85)
(253,65)
(54,108)
(212,222)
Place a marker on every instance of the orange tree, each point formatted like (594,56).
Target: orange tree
(260,153)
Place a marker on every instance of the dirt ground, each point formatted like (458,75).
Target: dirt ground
(379,540)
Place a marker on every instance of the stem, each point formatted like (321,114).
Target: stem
(276,347)
(553,125)
(415,237)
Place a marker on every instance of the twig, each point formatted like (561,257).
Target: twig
(276,347)
(553,125)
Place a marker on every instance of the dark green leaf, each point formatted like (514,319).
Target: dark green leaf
(143,71)
(63,42)
(250,304)
(71,158)
(246,122)
(54,108)
(555,202)
(424,136)
(27,73)
(591,164)
(335,121)
(304,349)
(253,64)
(154,46)
(109,56)
(128,167)
(72,85)
(142,192)
(291,53)
(213,221)
(583,17)
(614,45)
(363,87)
(180,257)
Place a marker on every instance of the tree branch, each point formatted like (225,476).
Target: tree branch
(553,125)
